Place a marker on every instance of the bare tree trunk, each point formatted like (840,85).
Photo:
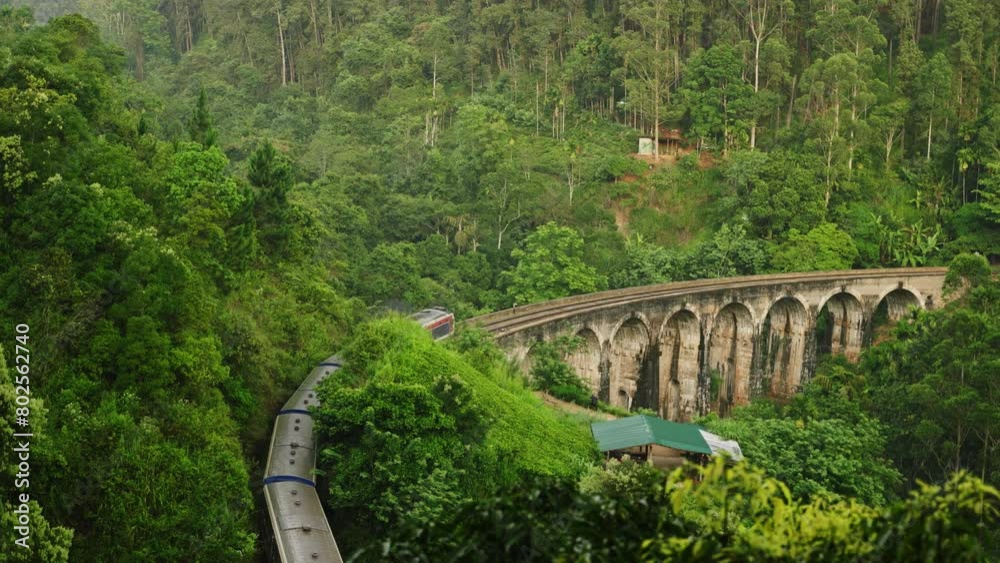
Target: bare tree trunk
(536,108)
(140,56)
(246,40)
(314,21)
(890,140)
(656,92)
(334,23)
(854,117)
(930,129)
(890,64)
(190,31)
(434,82)
(791,102)
(756,88)
(281,44)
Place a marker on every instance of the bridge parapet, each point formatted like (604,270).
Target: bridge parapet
(687,348)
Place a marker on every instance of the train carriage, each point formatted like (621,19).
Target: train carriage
(301,530)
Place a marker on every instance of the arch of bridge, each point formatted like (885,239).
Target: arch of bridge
(680,348)
(784,341)
(906,296)
(629,353)
(846,322)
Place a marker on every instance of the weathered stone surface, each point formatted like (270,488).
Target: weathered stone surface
(629,349)
(680,348)
(661,346)
(785,335)
(586,359)
(730,355)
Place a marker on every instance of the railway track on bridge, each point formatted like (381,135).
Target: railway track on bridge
(510,321)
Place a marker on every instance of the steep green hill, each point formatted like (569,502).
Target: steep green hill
(409,427)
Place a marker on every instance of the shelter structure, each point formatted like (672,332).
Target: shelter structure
(662,443)
(672,143)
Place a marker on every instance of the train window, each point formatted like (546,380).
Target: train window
(441,331)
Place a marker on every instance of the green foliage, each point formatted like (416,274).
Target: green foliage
(200,126)
(549,370)
(645,264)
(572,393)
(551,266)
(479,124)
(965,272)
(389,437)
(625,479)
(352,153)
(391,272)
(283,230)
(824,248)
(819,444)
(718,101)
(731,252)
(726,514)
(45,540)
(162,349)
(407,409)
(775,192)
(613,410)
(934,384)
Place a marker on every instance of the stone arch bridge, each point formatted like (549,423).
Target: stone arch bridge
(684,349)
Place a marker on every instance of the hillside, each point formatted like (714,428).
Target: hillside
(440,425)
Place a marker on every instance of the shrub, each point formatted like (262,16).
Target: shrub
(571,393)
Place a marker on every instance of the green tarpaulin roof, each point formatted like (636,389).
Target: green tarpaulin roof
(643,429)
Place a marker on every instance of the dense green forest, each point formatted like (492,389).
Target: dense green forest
(200,198)
(432,138)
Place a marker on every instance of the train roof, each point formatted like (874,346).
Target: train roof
(430,315)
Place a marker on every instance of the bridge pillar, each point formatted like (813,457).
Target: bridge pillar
(679,366)
(783,344)
(604,393)
(730,357)
(630,348)
(588,358)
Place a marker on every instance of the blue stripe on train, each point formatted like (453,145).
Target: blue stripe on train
(294,411)
(330,364)
(288,479)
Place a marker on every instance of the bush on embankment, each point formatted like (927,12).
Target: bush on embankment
(410,428)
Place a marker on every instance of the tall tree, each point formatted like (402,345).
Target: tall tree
(644,42)
(933,94)
(550,265)
(718,101)
(761,18)
(200,124)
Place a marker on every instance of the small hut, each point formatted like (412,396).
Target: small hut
(662,443)
(645,146)
(672,145)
